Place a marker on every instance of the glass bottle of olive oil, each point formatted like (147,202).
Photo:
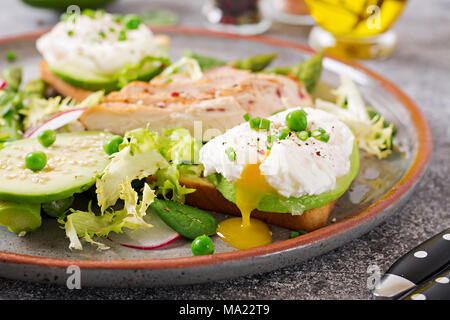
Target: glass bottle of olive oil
(355,28)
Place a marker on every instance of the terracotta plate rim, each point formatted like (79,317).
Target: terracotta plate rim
(411,176)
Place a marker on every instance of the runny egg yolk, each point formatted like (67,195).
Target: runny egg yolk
(244,232)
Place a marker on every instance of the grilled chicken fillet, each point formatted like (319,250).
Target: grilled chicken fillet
(213,104)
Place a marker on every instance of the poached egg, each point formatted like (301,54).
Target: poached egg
(92,44)
(290,167)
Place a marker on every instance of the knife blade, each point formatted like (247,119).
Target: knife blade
(416,266)
(436,288)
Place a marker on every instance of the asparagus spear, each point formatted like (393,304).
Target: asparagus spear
(308,71)
(204,62)
(255,63)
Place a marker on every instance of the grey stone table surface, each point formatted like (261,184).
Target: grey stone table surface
(420,66)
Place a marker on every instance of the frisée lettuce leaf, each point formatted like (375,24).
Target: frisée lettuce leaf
(374,134)
(86,224)
(167,184)
(142,154)
(125,166)
(38,109)
(179,148)
(185,65)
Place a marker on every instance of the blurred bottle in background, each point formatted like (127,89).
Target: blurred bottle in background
(235,16)
(355,28)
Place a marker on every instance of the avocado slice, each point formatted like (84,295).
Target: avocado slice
(145,70)
(19,217)
(73,163)
(85,79)
(278,203)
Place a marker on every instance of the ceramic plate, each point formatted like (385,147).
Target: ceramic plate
(378,192)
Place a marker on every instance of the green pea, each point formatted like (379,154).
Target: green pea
(296,120)
(132,21)
(202,245)
(11,56)
(111,145)
(47,137)
(35,160)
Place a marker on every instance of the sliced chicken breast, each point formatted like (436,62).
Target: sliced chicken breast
(207,107)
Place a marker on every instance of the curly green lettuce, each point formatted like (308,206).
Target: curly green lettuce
(374,134)
(185,65)
(86,224)
(125,166)
(179,148)
(38,109)
(167,184)
(143,153)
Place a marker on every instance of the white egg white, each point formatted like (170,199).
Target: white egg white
(84,48)
(293,167)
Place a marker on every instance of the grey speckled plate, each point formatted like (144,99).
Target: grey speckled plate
(379,190)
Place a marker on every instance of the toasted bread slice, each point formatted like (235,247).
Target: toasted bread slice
(207,197)
(78,94)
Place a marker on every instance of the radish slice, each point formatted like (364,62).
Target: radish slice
(56,122)
(155,237)
(28,131)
